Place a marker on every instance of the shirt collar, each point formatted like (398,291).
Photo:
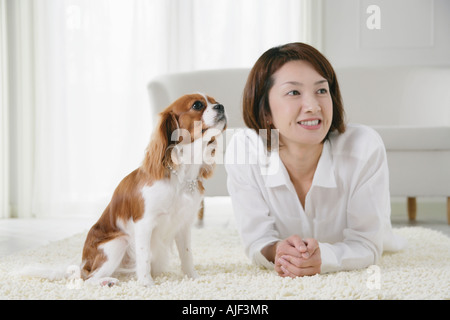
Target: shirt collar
(277,175)
(324,175)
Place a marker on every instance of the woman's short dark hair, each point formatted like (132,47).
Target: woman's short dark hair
(256,107)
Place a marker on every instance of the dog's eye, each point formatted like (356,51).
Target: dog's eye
(198,105)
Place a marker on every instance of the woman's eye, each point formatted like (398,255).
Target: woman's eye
(322,91)
(293,93)
(198,105)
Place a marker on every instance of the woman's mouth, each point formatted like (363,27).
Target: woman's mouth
(310,124)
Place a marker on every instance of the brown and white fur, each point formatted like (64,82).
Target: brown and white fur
(157,203)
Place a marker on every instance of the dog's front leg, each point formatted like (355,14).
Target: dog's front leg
(143,234)
(183,241)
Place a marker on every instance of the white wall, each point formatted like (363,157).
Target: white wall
(412,32)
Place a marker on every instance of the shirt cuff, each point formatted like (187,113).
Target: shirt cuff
(259,259)
(329,260)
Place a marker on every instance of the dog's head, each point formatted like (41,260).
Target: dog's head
(191,118)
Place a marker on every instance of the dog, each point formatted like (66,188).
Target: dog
(156,204)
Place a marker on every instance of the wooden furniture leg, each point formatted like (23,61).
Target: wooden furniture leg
(448,210)
(412,208)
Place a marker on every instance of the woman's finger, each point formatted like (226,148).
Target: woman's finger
(297,243)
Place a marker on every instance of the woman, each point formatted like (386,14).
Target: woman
(322,202)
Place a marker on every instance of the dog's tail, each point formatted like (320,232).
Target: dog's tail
(57,272)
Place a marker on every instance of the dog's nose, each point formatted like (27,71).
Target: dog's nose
(219,107)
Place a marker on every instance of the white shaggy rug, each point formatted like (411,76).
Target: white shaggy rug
(422,271)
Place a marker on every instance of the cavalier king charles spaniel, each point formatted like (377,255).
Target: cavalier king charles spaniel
(157,203)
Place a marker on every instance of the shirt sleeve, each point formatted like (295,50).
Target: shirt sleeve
(368,210)
(256,226)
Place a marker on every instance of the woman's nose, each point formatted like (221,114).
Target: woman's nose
(310,104)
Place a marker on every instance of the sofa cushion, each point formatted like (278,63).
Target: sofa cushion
(415,137)
(390,96)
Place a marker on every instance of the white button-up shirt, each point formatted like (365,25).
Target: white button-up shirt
(347,209)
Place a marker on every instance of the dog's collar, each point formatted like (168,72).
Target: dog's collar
(191,184)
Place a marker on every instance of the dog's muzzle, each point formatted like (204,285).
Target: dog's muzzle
(221,116)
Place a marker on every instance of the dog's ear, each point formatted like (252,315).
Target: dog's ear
(157,156)
(206,172)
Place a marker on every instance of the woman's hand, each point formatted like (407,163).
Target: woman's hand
(297,257)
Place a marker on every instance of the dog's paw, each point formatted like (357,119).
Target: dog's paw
(108,282)
(103,282)
(192,274)
(146,282)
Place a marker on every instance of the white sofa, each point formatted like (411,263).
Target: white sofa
(410,109)
(408,106)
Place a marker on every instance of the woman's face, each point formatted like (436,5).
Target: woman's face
(300,103)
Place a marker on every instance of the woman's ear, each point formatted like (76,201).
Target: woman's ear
(157,156)
(267,119)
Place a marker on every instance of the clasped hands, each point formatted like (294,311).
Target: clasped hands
(297,257)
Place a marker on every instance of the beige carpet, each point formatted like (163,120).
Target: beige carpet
(422,271)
